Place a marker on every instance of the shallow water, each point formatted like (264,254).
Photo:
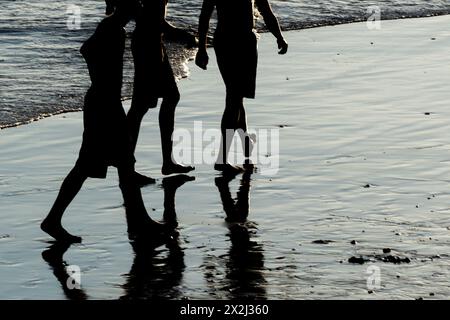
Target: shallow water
(358,161)
(42,72)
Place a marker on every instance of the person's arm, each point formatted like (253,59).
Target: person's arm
(272,24)
(202,58)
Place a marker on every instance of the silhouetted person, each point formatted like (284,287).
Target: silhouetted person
(153,275)
(235,44)
(106,140)
(245,260)
(54,257)
(110,6)
(154,79)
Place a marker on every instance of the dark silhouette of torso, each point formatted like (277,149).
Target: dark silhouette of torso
(151,62)
(103,53)
(105,139)
(242,13)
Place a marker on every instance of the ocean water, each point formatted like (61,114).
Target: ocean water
(42,72)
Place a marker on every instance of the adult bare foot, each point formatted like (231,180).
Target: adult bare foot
(175,168)
(56,230)
(228,169)
(142,180)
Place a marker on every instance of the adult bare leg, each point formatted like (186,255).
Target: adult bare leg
(166,127)
(228,126)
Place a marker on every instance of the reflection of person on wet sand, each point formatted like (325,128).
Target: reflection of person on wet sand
(245,264)
(106,141)
(235,45)
(54,257)
(153,275)
(170,186)
(154,79)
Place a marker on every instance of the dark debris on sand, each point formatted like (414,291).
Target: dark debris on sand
(383,258)
(322,241)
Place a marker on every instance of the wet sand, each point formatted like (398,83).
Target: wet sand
(364,124)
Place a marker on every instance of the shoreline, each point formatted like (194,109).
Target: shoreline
(188,61)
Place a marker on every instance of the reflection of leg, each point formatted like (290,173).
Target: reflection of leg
(170,186)
(138,220)
(242,203)
(228,203)
(54,257)
(153,276)
(166,126)
(69,189)
(228,126)
(235,211)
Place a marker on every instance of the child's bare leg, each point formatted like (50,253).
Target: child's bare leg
(69,189)
(228,126)
(166,126)
(135,115)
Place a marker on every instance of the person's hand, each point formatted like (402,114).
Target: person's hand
(282,45)
(201,59)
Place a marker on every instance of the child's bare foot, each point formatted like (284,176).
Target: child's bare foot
(227,168)
(56,230)
(175,168)
(142,180)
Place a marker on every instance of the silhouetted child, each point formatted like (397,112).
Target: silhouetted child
(235,45)
(106,140)
(154,79)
